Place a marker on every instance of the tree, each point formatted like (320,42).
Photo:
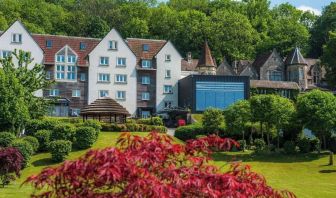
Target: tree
(152,166)
(237,116)
(329,59)
(96,28)
(10,162)
(317,110)
(212,119)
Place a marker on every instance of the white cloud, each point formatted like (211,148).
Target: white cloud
(308,8)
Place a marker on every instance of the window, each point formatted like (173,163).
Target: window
(121,95)
(301,75)
(71,59)
(60,71)
(49,43)
(167,89)
(145,114)
(145,80)
(121,62)
(71,72)
(275,76)
(82,46)
(121,78)
(146,63)
(113,45)
(104,61)
(103,77)
(103,93)
(76,93)
(168,57)
(82,77)
(48,75)
(60,58)
(53,92)
(16,38)
(168,74)
(168,104)
(75,112)
(145,96)
(145,47)
(316,77)
(6,54)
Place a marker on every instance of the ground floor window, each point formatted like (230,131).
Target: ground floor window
(145,114)
(74,112)
(59,110)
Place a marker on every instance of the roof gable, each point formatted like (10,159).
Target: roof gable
(206,58)
(295,58)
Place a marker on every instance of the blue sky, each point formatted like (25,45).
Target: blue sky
(315,5)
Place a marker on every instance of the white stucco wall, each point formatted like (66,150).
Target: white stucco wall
(102,50)
(28,45)
(175,67)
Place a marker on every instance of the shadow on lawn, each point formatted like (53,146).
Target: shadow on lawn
(44,162)
(265,157)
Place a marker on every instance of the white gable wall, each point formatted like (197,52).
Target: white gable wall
(102,50)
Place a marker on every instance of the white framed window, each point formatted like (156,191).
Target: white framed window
(146,63)
(103,77)
(168,104)
(145,96)
(167,89)
(60,58)
(71,58)
(48,75)
(168,74)
(103,93)
(76,93)
(145,80)
(121,78)
(6,54)
(104,61)
(167,57)
(71,74)
(60,72)
(121,62)
(16,38)
(53,92)
(113,45)
(121,95)
(82,77)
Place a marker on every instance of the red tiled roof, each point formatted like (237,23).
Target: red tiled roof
(136,46)
(58,42)
(206,57)
(189,65)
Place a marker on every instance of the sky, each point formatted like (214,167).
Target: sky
(314,5)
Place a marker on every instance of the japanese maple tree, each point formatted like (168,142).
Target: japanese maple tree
(152,166)
(10,164)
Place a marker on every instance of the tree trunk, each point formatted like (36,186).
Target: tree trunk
(324,142)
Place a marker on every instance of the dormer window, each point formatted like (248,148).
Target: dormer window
(146,63)
(49,43)
(113,45)
(145,47)
(71,59)
(82,46)
(60,58)
(16,38)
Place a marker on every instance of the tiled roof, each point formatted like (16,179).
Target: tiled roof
(189,65)
(136,45)
(295,58)
(206,58)
(261,60)
(225,69)
(273,84)
(58,42)
(241,65)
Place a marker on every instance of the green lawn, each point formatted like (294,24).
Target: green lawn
(305,175)
(198,117)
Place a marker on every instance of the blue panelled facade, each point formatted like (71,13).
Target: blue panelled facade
(199,92)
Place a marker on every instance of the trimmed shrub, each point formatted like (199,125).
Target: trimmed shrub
(212,119)
(93,124)
(259,144)
(45,124)
(43,137)
(33,142)
(157,121)
(289,147)
(63,132)
(242,144)
(25,149)
(85,137)
(304,145)
(59,149)
(6,138)
(189,132)
(132,127)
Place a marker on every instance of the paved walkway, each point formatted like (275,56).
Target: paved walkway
(171,131)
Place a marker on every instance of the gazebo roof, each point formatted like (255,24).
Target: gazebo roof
(104,106)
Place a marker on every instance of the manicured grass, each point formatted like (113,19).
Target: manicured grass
(198,117)
(307,175)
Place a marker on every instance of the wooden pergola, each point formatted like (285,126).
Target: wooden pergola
(105,110)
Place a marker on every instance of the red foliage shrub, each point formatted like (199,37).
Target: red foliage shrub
(10,162)
(152,166)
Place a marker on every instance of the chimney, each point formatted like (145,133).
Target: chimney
(189,58)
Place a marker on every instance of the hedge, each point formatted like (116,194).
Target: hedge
(59,149)
(259,144)
(304,145)
(157,121)
(289,147)
(189,132)
(132,127)
(93,124)
(63,132)
(43,137)
(6,138)
(45,124)
(33,142)
(25,149)
(85,137)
